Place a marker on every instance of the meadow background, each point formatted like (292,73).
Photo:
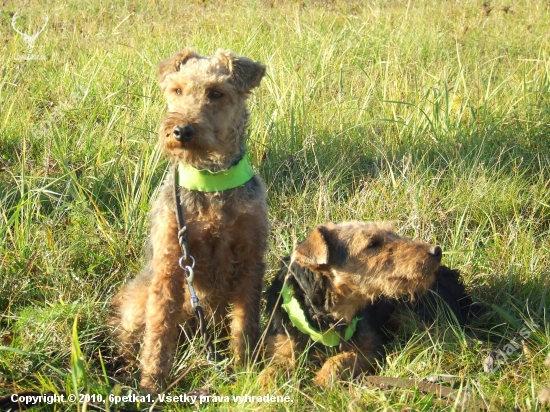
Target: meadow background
(432,114)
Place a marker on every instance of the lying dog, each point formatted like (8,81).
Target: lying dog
(340,287)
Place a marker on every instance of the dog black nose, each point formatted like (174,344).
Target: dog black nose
(436,252)
(184,133)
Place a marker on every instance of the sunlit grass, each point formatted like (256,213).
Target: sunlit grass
(434,115)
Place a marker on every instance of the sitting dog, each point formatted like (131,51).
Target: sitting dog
(223,205)
(340,288)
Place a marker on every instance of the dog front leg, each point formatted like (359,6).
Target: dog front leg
(358,355)
(245,324)
(164,304)
(346,365)
(282,352)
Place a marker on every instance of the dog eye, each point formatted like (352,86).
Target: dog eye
(178,92)
(215,95)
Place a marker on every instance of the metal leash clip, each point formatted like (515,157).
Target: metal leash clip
(189,277)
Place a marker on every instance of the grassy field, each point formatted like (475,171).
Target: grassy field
(432,114)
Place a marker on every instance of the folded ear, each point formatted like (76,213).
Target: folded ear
(245,73)
(314,252)
(174,63)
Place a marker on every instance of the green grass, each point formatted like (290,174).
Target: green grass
(431,114)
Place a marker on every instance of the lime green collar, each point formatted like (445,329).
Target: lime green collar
(299,320)
(207,181)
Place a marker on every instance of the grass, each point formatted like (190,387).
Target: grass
(435,115)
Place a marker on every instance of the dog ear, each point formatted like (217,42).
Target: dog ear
(314,252)
(174,63)
(245,73)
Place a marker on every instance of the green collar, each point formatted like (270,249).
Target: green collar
(207,181)
(299,320)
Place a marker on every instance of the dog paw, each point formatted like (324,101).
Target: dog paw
(327,375)
(333,369)
(149,385)
(323,379)
(266,379)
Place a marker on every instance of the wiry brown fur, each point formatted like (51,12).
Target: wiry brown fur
(227,231)
(340,272)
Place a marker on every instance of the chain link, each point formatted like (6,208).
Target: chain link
(212,356)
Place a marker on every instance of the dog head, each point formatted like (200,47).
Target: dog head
(367,260)
(207,115)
